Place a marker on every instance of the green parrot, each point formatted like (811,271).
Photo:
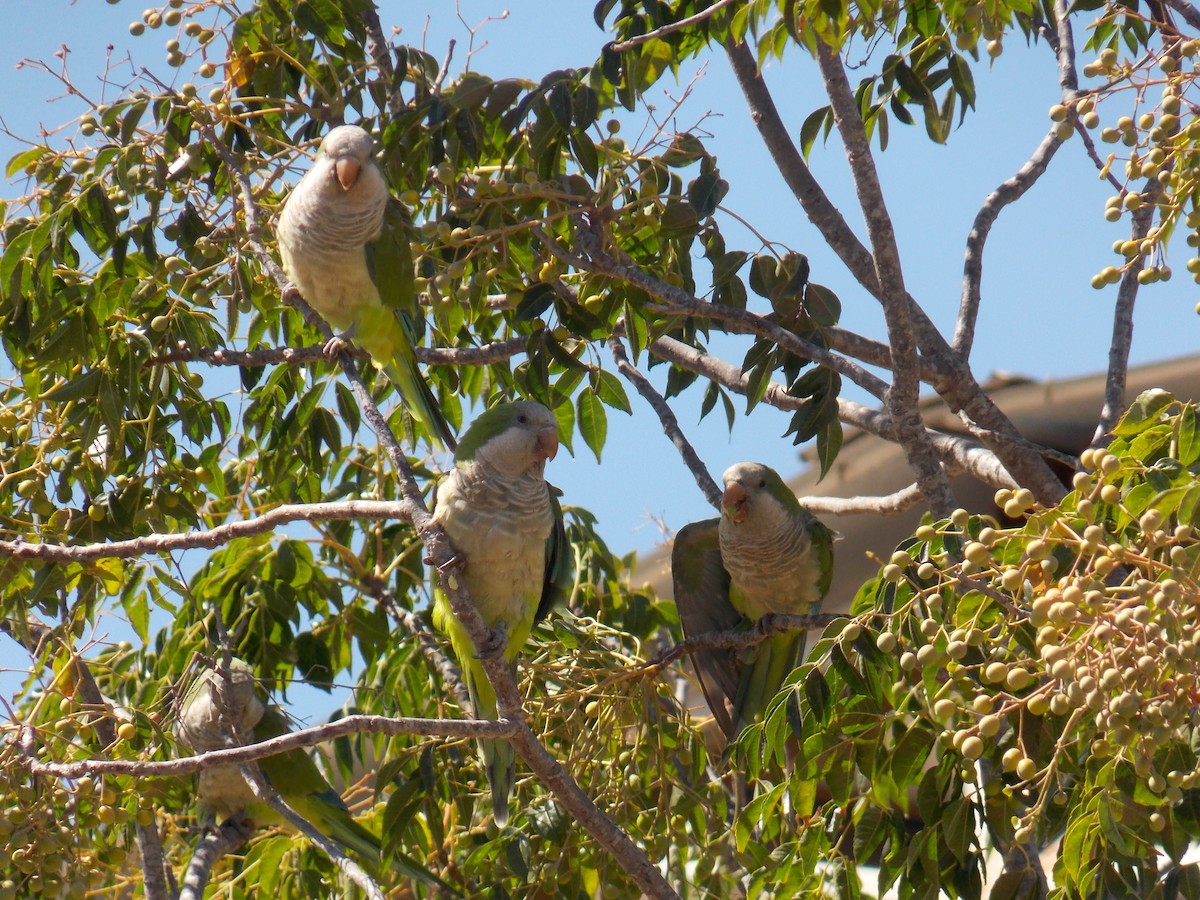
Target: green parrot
(506,524)
(765,555)
(222,790)
(344,243)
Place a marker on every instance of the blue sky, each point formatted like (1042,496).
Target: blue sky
(1040,317)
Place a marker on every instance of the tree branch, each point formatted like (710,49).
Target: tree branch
(670,424)
(968,456)
(229,836)
(1122,331)
(739,638)
(673,26)
(213,537)
(955,383)
(306,737)
(1008,192)
(903,395)
(487,354)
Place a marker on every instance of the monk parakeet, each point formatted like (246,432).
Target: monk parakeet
(344,243)
(505,522)
(765,555)
(223,792)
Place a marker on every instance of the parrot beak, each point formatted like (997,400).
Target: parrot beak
(547,443)
(347,171)
(733,502)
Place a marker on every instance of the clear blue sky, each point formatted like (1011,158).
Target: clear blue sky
(1040,317)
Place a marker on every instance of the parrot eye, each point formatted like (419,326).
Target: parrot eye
(522,419)
(762,483)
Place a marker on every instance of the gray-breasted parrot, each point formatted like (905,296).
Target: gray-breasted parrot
(765,555)
(223,792)
(344,244)
(506,524)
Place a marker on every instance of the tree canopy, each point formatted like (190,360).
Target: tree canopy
(184,454)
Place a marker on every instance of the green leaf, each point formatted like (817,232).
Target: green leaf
(816,121)
(534,301)
(593,421)
(1143,412)
(706,192)
(610,390)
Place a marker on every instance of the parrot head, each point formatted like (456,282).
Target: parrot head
(748,485)
(346,151)
(512,437)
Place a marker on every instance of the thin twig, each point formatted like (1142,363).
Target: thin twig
(739,638)
(266,793)
(886,505)
(307,737)
(672,27)
(487,354)
(670,424)
(213,537)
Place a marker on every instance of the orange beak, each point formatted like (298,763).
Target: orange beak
(347,171)
(733,502)
(547,443)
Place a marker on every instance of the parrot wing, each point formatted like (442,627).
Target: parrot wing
(560,562)
(391,332)
(701,587)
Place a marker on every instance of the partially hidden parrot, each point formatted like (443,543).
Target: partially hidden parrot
(506,524)
(765,555)
(344,243)
(223,792)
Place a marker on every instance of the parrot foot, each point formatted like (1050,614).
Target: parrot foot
(766,624)
(334,346)
(495,642)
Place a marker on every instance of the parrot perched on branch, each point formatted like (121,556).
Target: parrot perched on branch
(344,244)
(765,555)
(506,525)
(223,792)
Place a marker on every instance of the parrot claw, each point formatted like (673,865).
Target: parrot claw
(334,346)
(495,642)
(766,624)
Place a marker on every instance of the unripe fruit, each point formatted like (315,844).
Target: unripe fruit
(972,747)
(886,642)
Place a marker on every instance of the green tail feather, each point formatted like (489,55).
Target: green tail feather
(499,758)
(388,338)
(764,675)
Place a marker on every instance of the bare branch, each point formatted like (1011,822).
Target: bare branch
(1008,192)
(231,834)
(670,424)
(379,49)
(307,737)
(214,537)
(487,354)
(1122,333)
(1190,14)
(955,383)
(887,505)
(674,26)
(903,395)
